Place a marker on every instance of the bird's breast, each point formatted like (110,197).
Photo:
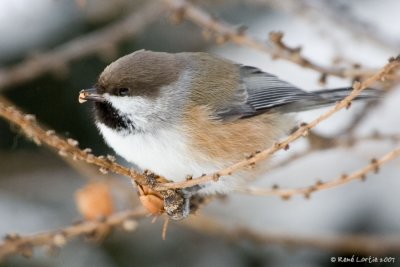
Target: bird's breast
(165,152)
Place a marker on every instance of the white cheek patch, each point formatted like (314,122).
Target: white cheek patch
(137,109)
(129,104)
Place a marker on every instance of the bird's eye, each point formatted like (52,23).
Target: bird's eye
(123,91)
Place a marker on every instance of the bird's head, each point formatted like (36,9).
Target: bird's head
(139,91)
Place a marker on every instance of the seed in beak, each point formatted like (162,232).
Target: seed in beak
(82,96)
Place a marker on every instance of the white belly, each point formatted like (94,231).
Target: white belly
(166,153)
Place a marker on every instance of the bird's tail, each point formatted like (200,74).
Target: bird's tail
(323,98)
(334,95)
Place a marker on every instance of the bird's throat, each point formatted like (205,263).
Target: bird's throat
(112,118)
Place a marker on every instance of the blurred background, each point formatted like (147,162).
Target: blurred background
(37,188)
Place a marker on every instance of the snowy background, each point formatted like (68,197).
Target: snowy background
(37,189)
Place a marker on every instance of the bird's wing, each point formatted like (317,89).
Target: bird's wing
(260,92)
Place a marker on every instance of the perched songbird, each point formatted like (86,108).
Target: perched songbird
(194,113)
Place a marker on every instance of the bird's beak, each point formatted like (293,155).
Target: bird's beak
(90,94)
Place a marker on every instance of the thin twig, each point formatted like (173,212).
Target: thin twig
(302,131)
(24,245)
(361,174)
(64,147)
(333,143)
(102,42)
(86,171)
(276,48)
(338,14)
(351,244)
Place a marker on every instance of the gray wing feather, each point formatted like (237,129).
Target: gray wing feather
(266,91)
(260,91)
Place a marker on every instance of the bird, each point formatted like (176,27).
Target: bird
(191,113)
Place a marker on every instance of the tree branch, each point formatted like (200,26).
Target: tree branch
(276,47)
(332,143)
(64,147)
(361,174)
(338,14)
(24,245)
(102,41)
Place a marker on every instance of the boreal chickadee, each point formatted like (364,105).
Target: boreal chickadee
(193,113)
